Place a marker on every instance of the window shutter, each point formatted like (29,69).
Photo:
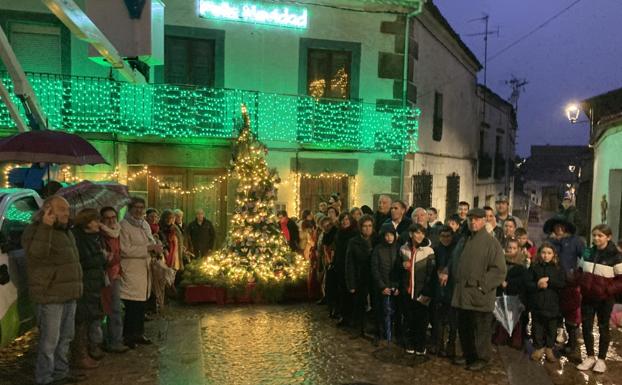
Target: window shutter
(37,47)
(422,190)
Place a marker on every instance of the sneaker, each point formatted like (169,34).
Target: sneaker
(600,366)
(118,348)
(587,363)
(537,355)
(420,353)
(561,336)
(96,352)
(410,351)
(550,355)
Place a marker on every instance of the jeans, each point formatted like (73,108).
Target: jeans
(475,329)
(115,319)
(56,322)
(544,331)
(602,310)
(415,323)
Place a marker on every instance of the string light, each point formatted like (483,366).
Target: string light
(298,176)
(81,104)
(6,172)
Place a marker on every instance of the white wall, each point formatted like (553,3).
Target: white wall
(607,159)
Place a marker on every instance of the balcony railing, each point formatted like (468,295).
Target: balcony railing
(88,105)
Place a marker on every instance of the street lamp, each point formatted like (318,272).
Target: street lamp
(572,112)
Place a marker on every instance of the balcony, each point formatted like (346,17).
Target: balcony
(100,105)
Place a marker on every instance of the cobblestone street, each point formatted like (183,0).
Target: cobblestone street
(287,344)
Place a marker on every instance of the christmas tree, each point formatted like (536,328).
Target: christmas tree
(255,250)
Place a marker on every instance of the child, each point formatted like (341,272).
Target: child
(544,281)
(385,270)
(525,245)
(513,285)
(418,261)
(600,281)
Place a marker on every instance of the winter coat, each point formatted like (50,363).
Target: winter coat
(386,266)
(443,256)
(478,270)
(135,260)
(422,270)
(358,263)
(515,278)
(380,219)
(570,249)
(401,229)
(93,262)
(341,246)
(544,302)
(52,264)
(601,273)
(201,237)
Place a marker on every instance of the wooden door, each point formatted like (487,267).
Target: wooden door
(315,190)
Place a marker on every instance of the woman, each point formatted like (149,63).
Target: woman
(89,311)
(308,242)
(600,281)
(356,214)
(171,240)
(358,271)
(347,230)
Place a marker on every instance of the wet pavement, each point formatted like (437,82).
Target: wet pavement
(289,344)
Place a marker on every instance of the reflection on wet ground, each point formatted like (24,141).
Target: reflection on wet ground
(290,344)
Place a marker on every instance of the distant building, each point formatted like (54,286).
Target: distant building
(605,114)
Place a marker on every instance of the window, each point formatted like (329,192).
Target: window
(16,217)
(482,140)
(422,189)
(437,128)
(453,194)
(37,46)
(476,201)
(498,145)
(190,61)
(329,73)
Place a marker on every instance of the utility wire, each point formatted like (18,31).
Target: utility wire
(544,24)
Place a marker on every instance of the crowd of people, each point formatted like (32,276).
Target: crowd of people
(428,287)
(425,285)
(84,269)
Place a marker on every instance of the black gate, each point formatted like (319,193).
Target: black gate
(422,190)
(453,194)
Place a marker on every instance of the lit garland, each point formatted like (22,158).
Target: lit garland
(101,105)
(255,249)
(6,172)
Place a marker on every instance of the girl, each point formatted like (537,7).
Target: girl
(513,285)
(600,281)
(418,262)
(544,281)
(385,270)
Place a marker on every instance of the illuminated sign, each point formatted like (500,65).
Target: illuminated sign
(277,15)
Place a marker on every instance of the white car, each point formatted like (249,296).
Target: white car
(16,313)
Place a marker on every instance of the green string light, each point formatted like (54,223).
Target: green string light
(100,105)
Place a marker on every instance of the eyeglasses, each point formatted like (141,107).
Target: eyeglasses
(110,217)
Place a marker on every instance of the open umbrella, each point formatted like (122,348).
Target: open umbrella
(47,146)
(88,194)
(508,309)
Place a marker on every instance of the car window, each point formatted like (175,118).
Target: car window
(16,217)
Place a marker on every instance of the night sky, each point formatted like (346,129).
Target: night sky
(575,56)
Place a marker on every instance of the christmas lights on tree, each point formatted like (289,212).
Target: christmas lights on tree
(255,250)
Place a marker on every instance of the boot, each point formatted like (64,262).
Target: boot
(96,352)
(571,350)
(79,349)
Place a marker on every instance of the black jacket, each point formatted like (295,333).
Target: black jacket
(544,302)
(379,219)
(358,263)
(93,262)
(443,255)
(386,267)
(294,235)
(341,246)
(202,237)
(515,277)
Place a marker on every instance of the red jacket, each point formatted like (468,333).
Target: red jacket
(600,277)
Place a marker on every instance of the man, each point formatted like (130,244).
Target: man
(570,213)
(421,216)
(479,270)
(382,214)
(399,221)
(179,220)
(54,283)
(492,226)
(503,211)
(463,209)
(201,235)
(289,228)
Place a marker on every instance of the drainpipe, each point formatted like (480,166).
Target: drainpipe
(405,90)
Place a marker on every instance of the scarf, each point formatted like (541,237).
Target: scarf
(133,221)
(112,244)
(155,228)
(284,228)
(411,283)
(111,232)
(172,257)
